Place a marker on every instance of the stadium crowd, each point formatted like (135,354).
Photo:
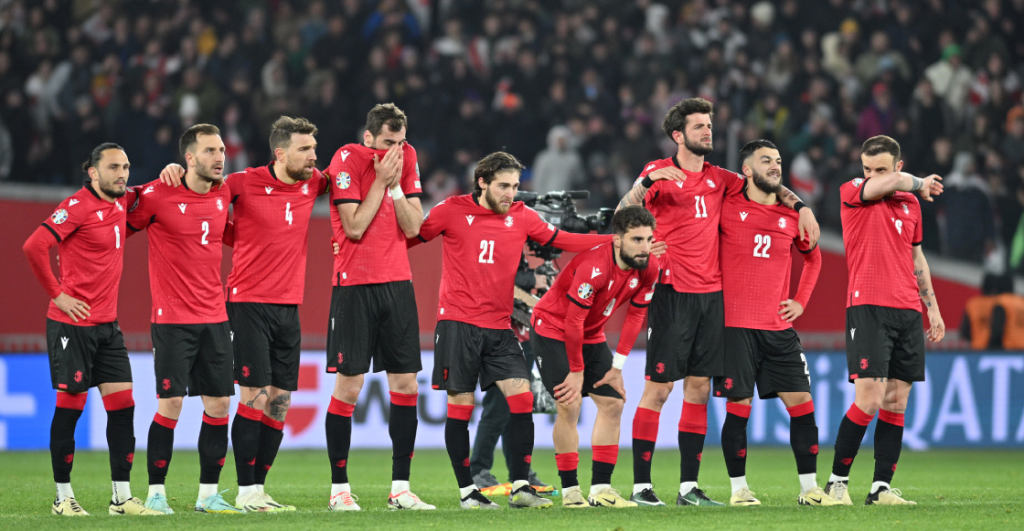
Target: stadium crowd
(576,88)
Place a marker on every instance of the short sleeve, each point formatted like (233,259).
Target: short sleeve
(434,222)
(648,280)
(346,188)
(537,229)
(65,218)
(581,292)
(850,193)
(142,213)
(732,182)
(411,184)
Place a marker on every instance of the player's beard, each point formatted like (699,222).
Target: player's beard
(634,261)
(495,204)
(110,191)
(697,149)
(301,174)
(766,186)
(206,173)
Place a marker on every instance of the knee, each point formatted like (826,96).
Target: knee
(869,403)
(172,405)
(347,389)
(697,390)
(612,409)
(404,384)
(218,407)
(570,412)
(659,393)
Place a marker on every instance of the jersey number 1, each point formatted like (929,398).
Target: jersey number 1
(486,251)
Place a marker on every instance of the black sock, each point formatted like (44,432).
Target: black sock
(160,448)
(456,440)
(691,448)
(567,464)
(62,436)
(271,433)
(520,427)
(338,426)
(402,428)
(120,408)
(213,447)
(601,473)
(245,439)
(803,438)
(848,439)
(645,433)
(888,444)
(734,439)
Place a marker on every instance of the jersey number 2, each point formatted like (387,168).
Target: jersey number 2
(486,251)
(206,232)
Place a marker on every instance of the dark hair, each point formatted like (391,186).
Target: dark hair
(191,135)
(385,114)
(97,153)
(751,147)
(631,217)
(877,145)
(491,165)
(675,120)
(283,128)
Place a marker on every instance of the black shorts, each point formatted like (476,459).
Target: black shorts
(266,339)
(773,359)
(192,359)
(86,356)
(685,336)
(884,342)
(376,322)
(464,353)
(553,364)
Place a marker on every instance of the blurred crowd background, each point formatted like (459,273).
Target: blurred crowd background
(576,89)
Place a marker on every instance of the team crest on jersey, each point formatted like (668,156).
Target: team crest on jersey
(585,291)
(343,180)
(782,223)
(220,204)
(857,182)
(60,216)
(633,283)
(711,183)
(905,209)
(305,189)
(508,221)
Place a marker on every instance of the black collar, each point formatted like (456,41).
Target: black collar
(88,186)
(270,168)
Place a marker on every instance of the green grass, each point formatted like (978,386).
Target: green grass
(954,490)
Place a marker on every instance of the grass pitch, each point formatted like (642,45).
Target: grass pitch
(962,489)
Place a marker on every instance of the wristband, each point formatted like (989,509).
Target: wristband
(396,193)
(647,182)
(619,361)
(798,206)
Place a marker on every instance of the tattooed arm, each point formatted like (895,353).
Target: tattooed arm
(924,286)
(635,196)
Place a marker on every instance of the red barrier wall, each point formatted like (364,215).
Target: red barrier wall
(23,307)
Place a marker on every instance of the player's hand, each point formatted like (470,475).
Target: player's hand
(541,282)
(668,173)
(809,229)
(932,187)
(172,174)
(790,310)
(569,390)
(613,379)
(388,169)
(75,308)
(659,248)
(337,247)
(938,328)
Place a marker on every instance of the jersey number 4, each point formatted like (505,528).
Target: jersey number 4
(762,242)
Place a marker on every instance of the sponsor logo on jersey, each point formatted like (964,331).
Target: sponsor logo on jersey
(181,206)
(585,291)
(743,216)
(470,219)
(73,202)
(344,155)
(343,180)
(64,342)
(650,167)
(99,214)
(595,272)
(148,190)
(268,189)
(853,331)
(633,283)
(508,221)
(679,184)
(782,223)
(60,216)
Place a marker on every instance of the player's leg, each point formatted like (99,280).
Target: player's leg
(71,349)
(742,357)
(402,429)
(211,378)
(271,434)
(338,427)
(493,422)
(174,354)
(803,439)
(604,444)
(553,366)
(645,434)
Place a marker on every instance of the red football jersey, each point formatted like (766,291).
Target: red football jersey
(90,232)
(879,237)
(185,233)
(593,281)
(381,255)
(481,255)
(688,213)
(756,261)
(271,228)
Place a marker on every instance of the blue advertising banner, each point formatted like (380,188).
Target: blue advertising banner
(968,400)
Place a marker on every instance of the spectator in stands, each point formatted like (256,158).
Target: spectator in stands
(559,167)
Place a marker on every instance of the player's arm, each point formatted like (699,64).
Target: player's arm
(576,243)
(924,285)
(356,214)
(433,225)
(142,212)
(229,234)
(808,224)
(883,185)
(37,250)
(793,308)
(172,174)
(409,212)
(636,195)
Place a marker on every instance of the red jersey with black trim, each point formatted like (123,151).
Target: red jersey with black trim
(879,237)
(481,254)
(593,281)
(380,255)
(90,234)
(756,247)
(186,229)
(270,229)
(688,213)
